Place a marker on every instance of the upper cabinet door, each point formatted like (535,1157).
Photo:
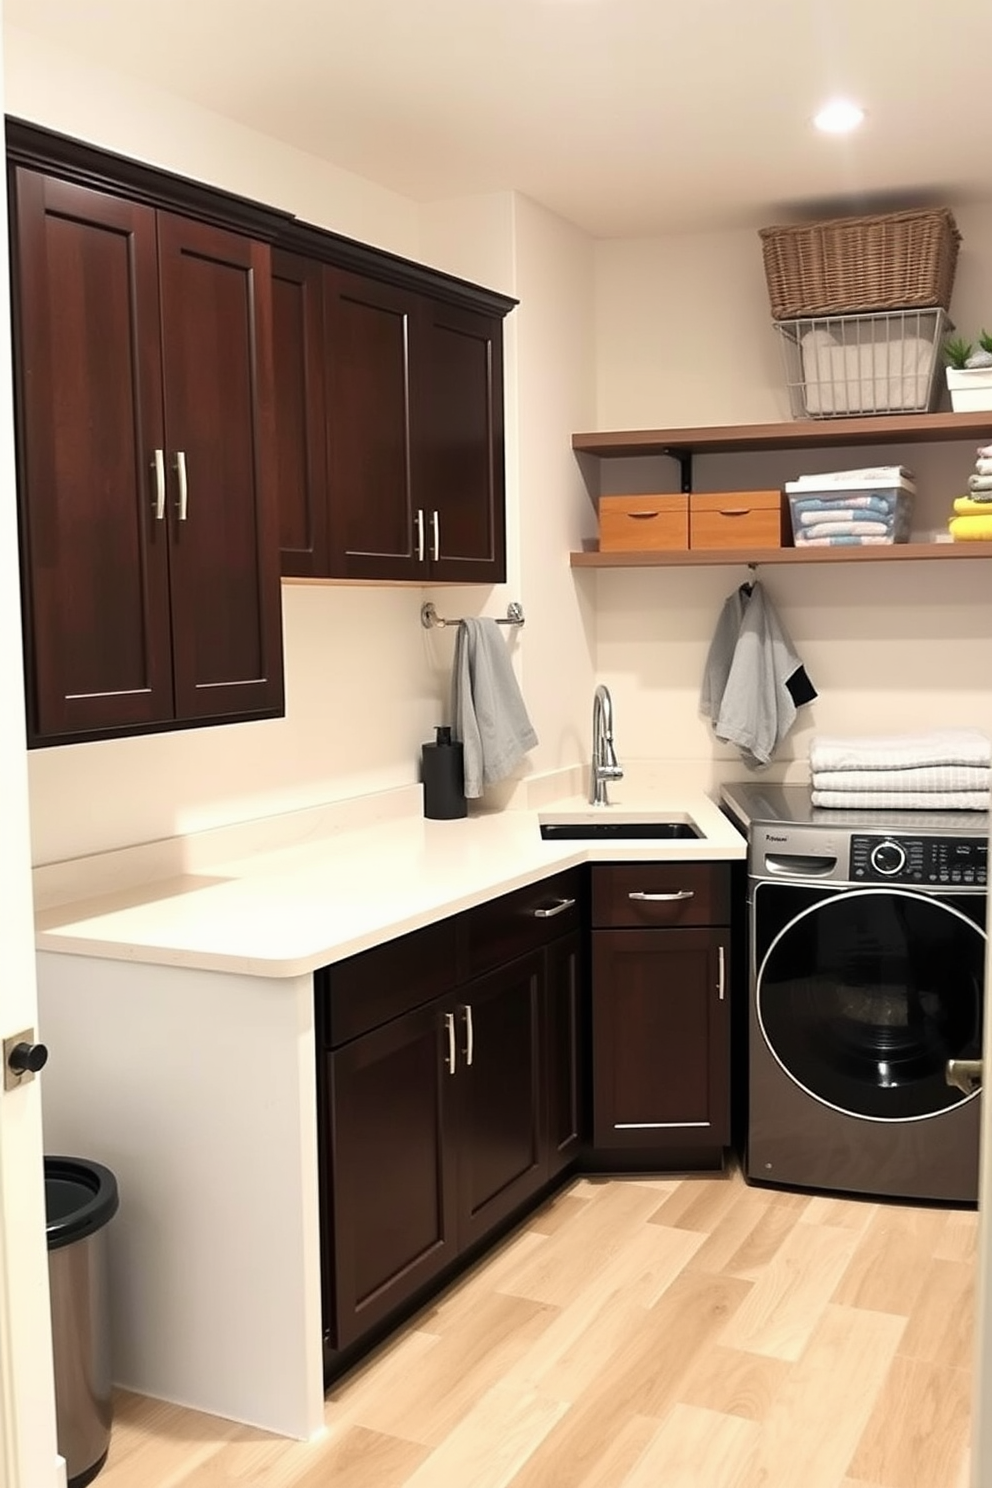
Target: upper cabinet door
(217,362)
(460,481)
(376,531)
(89,406)
(301,458)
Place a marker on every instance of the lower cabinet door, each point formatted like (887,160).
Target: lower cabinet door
(390,1194)
(660,1038)
(501,1124)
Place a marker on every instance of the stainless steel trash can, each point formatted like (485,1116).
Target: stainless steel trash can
(80,1198)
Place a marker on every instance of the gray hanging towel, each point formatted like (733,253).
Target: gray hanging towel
(487,709)
(753,682)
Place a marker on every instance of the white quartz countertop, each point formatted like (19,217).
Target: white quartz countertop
(283,913)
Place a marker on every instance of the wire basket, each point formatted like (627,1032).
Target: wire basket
(861,265)
(843,365)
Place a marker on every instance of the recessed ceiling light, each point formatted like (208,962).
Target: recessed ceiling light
(839,117)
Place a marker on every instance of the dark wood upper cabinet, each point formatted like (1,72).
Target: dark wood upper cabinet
(459,442)
(301,457)
(95,559)
(143,375)
(373,522)
(412,424)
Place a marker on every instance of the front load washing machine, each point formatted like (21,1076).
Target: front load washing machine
(866,967)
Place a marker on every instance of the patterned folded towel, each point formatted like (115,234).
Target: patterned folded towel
(926,778)
(804,540)
(971,529)
(890,801)
(950,746)
(843,514)
(843,529)
(876,502)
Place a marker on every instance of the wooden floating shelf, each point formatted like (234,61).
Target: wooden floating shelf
(702,557)
(889,428)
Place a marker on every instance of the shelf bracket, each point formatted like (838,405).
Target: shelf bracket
(684,459)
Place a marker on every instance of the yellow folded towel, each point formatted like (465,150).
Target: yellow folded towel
(966,506)
(971,529)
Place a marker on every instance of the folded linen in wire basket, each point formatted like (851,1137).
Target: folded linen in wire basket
(925,778)
(902,800)
(965,746)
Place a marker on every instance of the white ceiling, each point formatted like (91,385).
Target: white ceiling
(627,117)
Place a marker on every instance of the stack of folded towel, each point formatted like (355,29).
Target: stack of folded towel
(972,519)
(943,770)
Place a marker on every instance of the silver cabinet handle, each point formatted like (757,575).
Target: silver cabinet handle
(554,909)
(722,983)
(436,530)
(420,534)
(159,468)
(469,1033)
(452,1059)
(662,898)
(183,486)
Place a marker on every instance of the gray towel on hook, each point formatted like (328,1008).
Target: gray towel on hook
(487,709)
(753,681)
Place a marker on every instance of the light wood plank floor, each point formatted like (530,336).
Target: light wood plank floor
(642,1333)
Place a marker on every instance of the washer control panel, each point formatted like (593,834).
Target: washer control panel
(951,862)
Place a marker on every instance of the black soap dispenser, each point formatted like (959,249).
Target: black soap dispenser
(444,778)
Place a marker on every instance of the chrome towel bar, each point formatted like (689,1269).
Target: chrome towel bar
(429,616)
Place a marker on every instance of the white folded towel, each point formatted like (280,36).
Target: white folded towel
(926,778)
(487,708)
(902,801)
(964,746)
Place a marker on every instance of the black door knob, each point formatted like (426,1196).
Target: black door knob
(27,1058)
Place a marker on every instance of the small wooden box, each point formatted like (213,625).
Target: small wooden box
(643,524)
(739,519)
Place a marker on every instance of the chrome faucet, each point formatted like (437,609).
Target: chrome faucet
(604,759)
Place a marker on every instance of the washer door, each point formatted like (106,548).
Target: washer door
(864,995)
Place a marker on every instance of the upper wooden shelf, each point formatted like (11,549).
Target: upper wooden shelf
(755,557)
(890,428)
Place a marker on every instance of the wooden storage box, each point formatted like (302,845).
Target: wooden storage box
(643,524)
(739,519)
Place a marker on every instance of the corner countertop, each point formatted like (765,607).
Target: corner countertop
(284,913)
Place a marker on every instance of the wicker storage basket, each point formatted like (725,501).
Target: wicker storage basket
(855,265)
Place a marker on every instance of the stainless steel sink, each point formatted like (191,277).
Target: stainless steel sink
(619,830)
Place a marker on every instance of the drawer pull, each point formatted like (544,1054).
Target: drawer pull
(449,1023)
(735,511)
(722,983)
(554,909)
(642,516)
(662,898)
(469,1032)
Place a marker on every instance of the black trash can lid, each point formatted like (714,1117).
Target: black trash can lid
(80,1197)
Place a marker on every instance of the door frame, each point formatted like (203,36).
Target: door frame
(28,1452)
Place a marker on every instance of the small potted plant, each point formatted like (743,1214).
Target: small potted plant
(969,373)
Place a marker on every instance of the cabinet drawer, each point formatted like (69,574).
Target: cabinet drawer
(369,989)
(515,923)
(739,519)
(645,524)
(690,894)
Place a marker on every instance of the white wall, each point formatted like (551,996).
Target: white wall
(683,338)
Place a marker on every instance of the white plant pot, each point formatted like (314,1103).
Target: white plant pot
(970,388)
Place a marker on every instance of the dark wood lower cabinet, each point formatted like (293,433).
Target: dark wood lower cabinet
(661,1013)
(660,1036)
(449,1097)
(393,1203)
(500,1090)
